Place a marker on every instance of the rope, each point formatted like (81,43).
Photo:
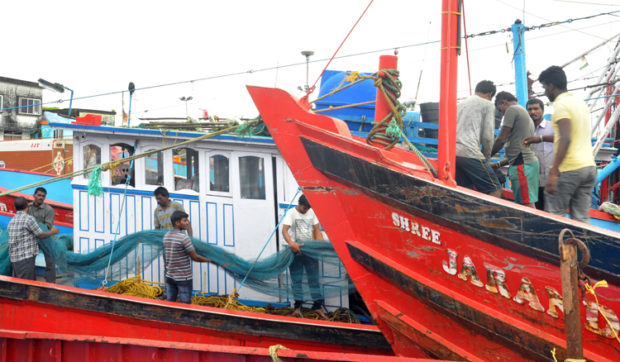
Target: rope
(234,294)
(566,360)
(311,89)
(466,47)
(113,164)
(273,352)
(104,282)
(545,25)
(330,108)
(591,289)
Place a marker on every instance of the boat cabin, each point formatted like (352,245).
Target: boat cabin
(234,189)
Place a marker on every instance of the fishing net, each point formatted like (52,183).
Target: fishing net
(133,254)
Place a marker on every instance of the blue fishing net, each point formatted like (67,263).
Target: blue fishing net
(268,275)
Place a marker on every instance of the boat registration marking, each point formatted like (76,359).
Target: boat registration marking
(412,226)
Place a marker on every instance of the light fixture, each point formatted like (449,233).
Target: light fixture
(57,87)
(307,54)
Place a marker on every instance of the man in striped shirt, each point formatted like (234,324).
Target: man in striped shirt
(23,244)
(178,250)
(164,210)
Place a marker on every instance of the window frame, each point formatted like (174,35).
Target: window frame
(36,106)
(208,156)
(143,183)
(173,186)
(264,163)
(83,154)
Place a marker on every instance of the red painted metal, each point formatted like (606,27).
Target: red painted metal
(42,347)
(63,213)
(447,97)
(382,107)
(26,306)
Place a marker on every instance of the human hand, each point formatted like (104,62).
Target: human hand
(529,140)
(495,165)
(552,183)
(54,230)
(296,248)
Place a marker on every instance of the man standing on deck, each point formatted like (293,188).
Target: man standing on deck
(23,246)
(542,145)
(524,166)
(474,128)
(573,172)
(44,214)
(178,250)
(164,210)
(302,221)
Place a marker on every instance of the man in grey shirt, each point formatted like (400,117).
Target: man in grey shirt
(524,166)
(474,140)
(44,214)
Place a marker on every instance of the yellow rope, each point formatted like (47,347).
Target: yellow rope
(113,164)
(343,107)
(273,352)
(136,287)
(590,289)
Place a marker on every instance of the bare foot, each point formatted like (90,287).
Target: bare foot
(321,314)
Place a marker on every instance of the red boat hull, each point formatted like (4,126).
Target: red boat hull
(459,274)
(53,309)
(41,347)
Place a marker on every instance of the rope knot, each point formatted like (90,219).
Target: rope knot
(352,76)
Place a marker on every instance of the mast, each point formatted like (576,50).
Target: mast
(518,44)
(447,96)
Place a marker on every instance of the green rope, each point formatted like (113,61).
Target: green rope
(94,185)
(393,129)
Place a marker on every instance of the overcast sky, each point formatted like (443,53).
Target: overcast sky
(97,47)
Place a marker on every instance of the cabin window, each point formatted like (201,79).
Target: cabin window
(185,164)
(252,177)
(218,173)
(92,157)
(154,169)
(1,103)
(119,174)
(29,106)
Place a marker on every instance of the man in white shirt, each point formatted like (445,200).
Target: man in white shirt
(542,145)
(304,225)
(475,121)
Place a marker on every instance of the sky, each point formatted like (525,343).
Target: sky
(98,47)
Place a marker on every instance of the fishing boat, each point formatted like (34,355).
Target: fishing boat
(58,195)
(32,309)
(445,271)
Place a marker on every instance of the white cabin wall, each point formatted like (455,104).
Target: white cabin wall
(223,219)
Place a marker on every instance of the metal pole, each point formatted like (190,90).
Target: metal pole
(307,54)
(382,108)
(447,95)
(518,42)
(70,100)
(570,292)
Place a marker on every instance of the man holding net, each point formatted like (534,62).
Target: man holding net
(178,251)
(303,224)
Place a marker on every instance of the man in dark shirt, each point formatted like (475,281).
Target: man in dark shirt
(524,166)
(44,214)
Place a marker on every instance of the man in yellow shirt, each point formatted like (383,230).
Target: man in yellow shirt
(573,173)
